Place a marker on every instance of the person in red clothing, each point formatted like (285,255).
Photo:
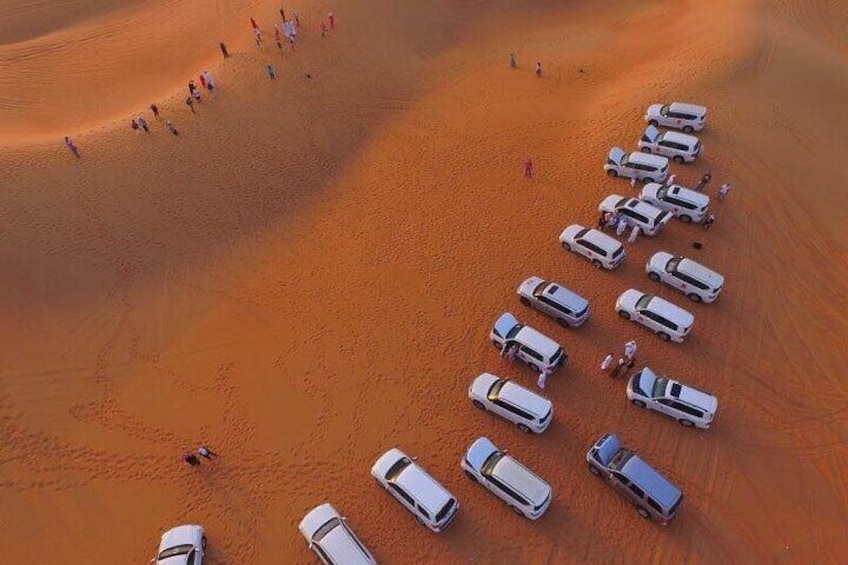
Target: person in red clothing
(202,80)
(332,20)
(528,168)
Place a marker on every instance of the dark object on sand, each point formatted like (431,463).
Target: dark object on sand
(697,245)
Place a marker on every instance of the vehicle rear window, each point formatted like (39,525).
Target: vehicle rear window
(445,510)
(662,216)
(618,252)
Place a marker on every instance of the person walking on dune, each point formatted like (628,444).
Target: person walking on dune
(528,168)
(171,127)
(513,61)
(206,452)
(134,125)
(253,24)
(258,37)
(72,147)
(538,68)
(621,227)
(202,80)
(272,72)
(155,109)
(630,350)
(190,104)
(606,364)
(724,191)
(142,123)
(708,223)
(671,178)
(543,378)
(277,37)
(283,13)
(223,47)
(210,82)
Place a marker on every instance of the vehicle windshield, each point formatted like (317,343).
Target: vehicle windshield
(495,391)
(659,387)
(662,192)
(331,524)
(664,110)
(398,468)
(642,303)
(515,329)
(176,550)
(672,264)
(620,458)
(491,462)
(540,288)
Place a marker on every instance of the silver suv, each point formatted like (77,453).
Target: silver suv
(655,496)
(568,308)
(686,404)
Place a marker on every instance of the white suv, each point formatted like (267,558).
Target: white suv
(699,283)
(328,535)
(524,408)
(567,307)
(183,545)
(537,350)
(601,249)
(670,322)
(684,203)
(650,219)
(509,480)
(431,504)
(686,404)
(681,147)
(677,115)
(639,166)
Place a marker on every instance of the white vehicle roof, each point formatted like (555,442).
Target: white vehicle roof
(643,208)
(337,543)
(648,159)
(687,108)
(537,341)
(521,397)
(677,137)
(189,534)
(424,488)
(670,311)
(698,271)
(554,291)
(508,470)
(699,398)
(602,240)
(653,190)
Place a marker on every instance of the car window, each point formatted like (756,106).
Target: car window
(636,490)
(620,478)
(652,503)
(592,247)
(531,353)
(581,233)
(509,492)
(515,410)
(445,510)
(686,409)
(665,321)
(618,251)
(650,315)
(190,557)
(672,264)
(396,489)
(556,305)
(422,511)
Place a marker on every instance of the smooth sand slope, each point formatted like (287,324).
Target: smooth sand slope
(307,275)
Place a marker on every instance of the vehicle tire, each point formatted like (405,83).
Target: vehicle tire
(664,336)
(563,322)
(566,246)
(654,123)
(497,345)
(624,314)
(688,129)
(470,475)
(524,428)
(647,180)
(677,159)
(534,367)
(479,405)
(203,542)
(517,511)
(687,423)
(594,470)
(643,513)
(645,149)
(694,297)
(525,301)
(637,403)
(597,264)
(685,219)
(612,173)
(654,276)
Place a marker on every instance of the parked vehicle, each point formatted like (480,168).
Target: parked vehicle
(654,496)
(521,489)
(686,404)
(697,282)
(679,147)
(511,401)
(183,545)
(668,321)
(684,203)
(677,115)
(565,306)
(328,535)
(602,250)
(650,219)
(639,166)
(431,503)
(537,350)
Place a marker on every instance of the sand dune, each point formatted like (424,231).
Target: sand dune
(306,276)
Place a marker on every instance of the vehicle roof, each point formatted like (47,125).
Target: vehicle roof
(616,154)
(677,137)
(699,398)
(648,159)
(524,398)
(643,207)
(671,311)
(342,548)
(687,108)
(698,198)
(424,488)
(565,296)
(537,341)
(316,518)
(661,489)
(700,272)
(603,240)
(521,479)
(505,323)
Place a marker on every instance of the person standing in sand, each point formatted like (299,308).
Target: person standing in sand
(528,168)
(332,20)
(258,37)
(142,123)
(253,24)
(210,81)
(724,191)
(606,364)
(630,350)
(272,72)
(155,109)
(323,29)
(671,178)
(171,127)
(191,459)
(513,61)
(134,125)
(206,452)
(708,223)
(538,68)
(277,37)
(202,80)
(190,104)
(634,233)
(621,227)
(543,378)
(223,47)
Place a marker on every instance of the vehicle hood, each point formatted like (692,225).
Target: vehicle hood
(316,518)
(650,190)
(385,462)
(654,109)
(651,134)
(616,155)
(505,324)
(528,286)
(629,298)
(659,260)
(181,535)
(608,203)
(643,380)
(479,451)
(607,448)
(481,385)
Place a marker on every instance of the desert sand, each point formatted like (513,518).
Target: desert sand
(307,275)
